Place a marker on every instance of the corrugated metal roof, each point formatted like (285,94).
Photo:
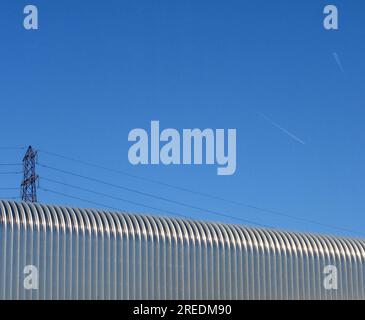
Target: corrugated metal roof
(96,254)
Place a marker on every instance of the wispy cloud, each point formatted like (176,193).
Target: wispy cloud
(338,61)
(276,125)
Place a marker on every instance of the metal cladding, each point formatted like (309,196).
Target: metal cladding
(93,254)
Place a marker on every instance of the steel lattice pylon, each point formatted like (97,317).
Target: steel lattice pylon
(28,186)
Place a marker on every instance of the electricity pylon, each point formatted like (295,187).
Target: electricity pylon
(28,186)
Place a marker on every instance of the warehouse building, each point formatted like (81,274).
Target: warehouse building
(52,252)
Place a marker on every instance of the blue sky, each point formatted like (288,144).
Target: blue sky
(92,72)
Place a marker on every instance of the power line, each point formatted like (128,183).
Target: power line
(11,198)
(10,164)
(269,211)
(78,198)
(12,148)
(152,196)
(11,172)
(109,196)
(147,179)
(105,205)
(158,209)
(199,193)
(135,176)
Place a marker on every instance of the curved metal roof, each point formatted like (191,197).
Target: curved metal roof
(207,259)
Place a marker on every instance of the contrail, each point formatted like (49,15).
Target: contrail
(338,61)
(291,135)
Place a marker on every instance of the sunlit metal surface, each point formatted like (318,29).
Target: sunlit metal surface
(93,254)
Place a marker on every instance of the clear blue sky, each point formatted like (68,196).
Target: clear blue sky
(97,69)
